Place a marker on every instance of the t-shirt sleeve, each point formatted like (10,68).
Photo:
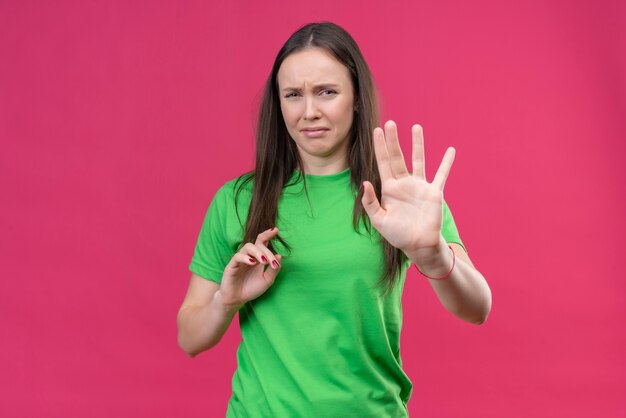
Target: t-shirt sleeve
(213,252)
(448,227)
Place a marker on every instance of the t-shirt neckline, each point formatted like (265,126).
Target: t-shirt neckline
(320,179)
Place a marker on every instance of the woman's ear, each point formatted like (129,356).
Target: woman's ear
(356,105)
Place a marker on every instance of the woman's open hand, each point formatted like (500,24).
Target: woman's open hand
(245,277)
(410,213)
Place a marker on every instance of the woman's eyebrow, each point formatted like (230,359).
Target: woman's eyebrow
(290,89)
(326,86)
(319,86)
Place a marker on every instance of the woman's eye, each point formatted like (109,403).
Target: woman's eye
(328,92)
(290,95)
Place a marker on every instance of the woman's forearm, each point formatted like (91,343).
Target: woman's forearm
(202,327)
(465,292)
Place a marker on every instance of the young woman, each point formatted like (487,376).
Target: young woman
(312,247)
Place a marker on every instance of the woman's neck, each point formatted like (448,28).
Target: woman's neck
(324,166)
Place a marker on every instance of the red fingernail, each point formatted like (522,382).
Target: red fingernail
(264,259)
(275,264)
(252,260)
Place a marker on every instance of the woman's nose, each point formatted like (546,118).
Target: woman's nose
(311,110)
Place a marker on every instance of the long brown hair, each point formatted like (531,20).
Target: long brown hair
(276,153)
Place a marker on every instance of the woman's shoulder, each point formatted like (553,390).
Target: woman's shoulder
(234,189)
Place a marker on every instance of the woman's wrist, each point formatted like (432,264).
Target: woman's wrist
(433,262)
(229,308)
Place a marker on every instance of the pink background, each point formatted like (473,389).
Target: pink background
(119,120)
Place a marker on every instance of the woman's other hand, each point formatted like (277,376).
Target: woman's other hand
(246,276)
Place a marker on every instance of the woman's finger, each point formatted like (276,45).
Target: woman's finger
(243,259)
(270,274)
(262,240)
(419,171)
(266,236)
(370,203)
(444,168)
(261,253)
(382,157)
(396,159)
(251,250)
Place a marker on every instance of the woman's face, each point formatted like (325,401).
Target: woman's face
(317,103)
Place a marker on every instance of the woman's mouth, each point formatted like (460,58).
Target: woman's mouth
(314,132)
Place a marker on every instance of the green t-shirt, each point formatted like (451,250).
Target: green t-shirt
(322,341)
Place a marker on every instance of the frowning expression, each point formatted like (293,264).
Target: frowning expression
(317,103)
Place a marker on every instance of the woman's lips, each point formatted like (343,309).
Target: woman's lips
(314,132)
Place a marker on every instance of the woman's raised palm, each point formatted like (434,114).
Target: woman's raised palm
(410,212)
